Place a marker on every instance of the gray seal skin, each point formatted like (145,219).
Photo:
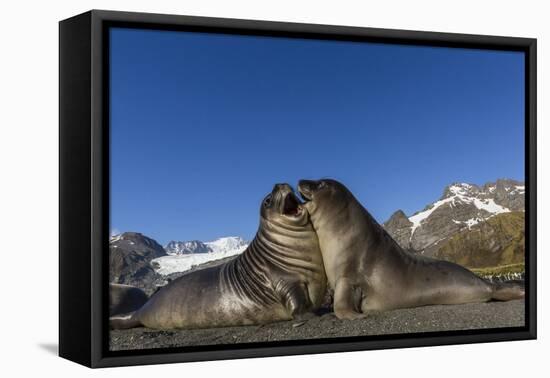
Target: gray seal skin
(280,276)
(125,298)
(369,271)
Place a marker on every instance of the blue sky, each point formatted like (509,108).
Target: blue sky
(203,125)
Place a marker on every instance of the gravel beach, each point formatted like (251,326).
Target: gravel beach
(421,319)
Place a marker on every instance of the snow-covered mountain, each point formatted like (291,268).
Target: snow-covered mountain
(227,244)
(186,247)
(183,256)
(196,246)
(462,206)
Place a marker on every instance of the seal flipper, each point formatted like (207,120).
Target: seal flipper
(507,291)
(124,321)
(347,300)
(295,297)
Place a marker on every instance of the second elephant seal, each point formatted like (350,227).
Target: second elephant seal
(368,270)
(125,298)
(279,276)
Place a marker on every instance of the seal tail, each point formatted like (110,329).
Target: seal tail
(124,321)
(507,291)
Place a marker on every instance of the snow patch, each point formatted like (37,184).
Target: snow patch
(227,243)
(472,222)
(115,238)
(460,189)
(421,216)
(490,206)
(518,189)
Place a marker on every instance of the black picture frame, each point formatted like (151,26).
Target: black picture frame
(84,187)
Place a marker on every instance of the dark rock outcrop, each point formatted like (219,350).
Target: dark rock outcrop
(400,227)
(130,255)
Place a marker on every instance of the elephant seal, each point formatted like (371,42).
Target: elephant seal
(280,276)
(368,270)
(125,298)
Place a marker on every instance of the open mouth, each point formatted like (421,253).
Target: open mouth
(291,205)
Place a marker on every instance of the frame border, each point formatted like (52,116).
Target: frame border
(84,207)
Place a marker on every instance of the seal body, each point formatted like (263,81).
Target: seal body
(368,270)
(125,298)
(279,276)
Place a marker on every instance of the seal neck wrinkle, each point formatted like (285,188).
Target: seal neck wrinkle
(248,278)
(279,251)
(293,248)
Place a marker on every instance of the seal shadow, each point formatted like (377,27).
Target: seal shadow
(52,348)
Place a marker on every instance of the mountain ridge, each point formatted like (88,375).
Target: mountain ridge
(461,207)
(197,246)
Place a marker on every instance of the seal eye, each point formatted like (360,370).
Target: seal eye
(267,201)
